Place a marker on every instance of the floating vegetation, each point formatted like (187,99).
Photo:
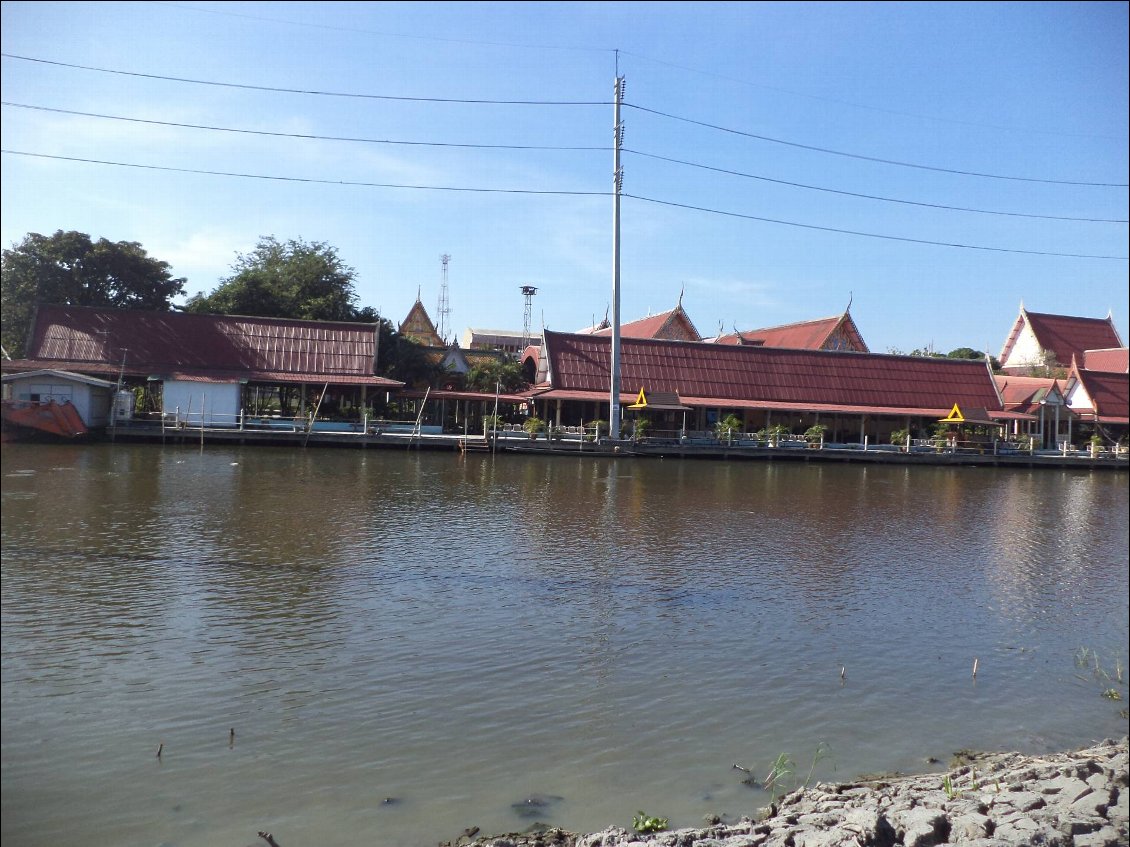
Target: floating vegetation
(644,823)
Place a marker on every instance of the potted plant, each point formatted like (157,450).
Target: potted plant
(724,430)
(941,437)
(594,430)
(639,431)
(901,438)
(814,435)
(533,425)
(1096,442)
(491,423)
(772,434)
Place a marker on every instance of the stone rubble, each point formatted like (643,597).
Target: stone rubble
(1076,799)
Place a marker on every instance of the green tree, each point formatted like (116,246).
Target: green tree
(506,374)
(970,353)
(68,269)
(289,279)
(401,358)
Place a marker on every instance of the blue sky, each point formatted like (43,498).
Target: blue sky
(770,119)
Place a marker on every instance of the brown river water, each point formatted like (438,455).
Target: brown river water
(409,644)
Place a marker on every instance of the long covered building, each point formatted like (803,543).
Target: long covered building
(857,396)
(211,367)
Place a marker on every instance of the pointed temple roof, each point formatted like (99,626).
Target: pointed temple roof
(179,345)
(419,327)
(1100,396)
(673,325)
(1062,336)
(838,332)
(1027,393)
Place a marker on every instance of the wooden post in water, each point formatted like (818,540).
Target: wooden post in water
(310,428)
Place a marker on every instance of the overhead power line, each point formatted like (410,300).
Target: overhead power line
(873,196)
(561,193)
(310,92)
(644,109)
(306,136)
(864,106)
(864,158)
(305,179)
(463,145)
(870,234)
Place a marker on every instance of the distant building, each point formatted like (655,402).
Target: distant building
(503,340)
(1040,343)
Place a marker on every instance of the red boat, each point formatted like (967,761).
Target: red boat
(24,419)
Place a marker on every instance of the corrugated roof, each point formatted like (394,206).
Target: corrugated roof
(190,346)
(704,373)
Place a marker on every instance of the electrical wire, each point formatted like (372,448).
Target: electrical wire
(872,196)
(644,109)
(560,193)
(864,158)
(306,179)
(869,234)
(306,136)
(310,92)
(310,136)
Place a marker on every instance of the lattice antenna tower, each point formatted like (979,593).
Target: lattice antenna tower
(528,292)
(443,310)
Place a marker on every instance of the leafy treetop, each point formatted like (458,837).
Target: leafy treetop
(69,269)
(289,279)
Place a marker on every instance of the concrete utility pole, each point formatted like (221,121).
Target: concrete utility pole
(617,184)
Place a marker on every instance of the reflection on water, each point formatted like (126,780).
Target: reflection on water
(410,644)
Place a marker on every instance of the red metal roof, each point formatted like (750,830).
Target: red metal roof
(1025,393)
(1109,393)
(1112,360)
(1065,336)
(176,345)
(673,325)
(725,375)
(804,335)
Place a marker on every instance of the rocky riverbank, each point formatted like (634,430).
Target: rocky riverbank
(1076,799)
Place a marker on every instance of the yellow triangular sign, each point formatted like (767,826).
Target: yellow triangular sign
(955,415)
(642,399)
